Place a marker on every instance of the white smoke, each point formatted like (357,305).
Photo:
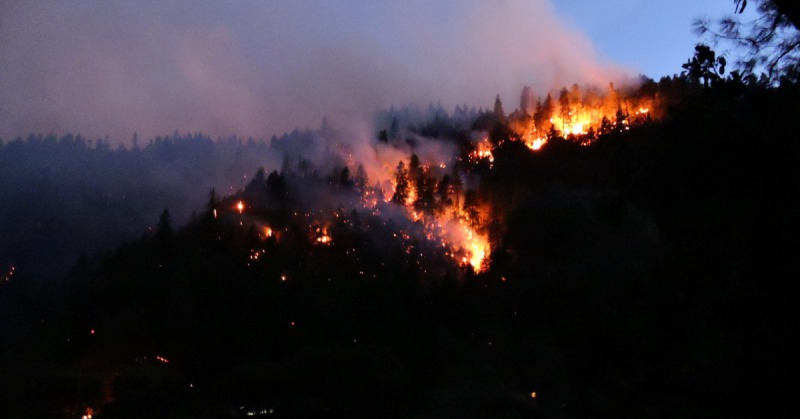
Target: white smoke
(259,68)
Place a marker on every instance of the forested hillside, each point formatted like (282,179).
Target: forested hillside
(486,264)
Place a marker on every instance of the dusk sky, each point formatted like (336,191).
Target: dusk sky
(259,68)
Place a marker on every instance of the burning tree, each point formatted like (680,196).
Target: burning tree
(401,184)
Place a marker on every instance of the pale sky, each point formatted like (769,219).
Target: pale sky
(653,37)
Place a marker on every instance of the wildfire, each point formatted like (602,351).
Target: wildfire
(439,198)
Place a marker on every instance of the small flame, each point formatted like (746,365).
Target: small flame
(321,236)
(483,150)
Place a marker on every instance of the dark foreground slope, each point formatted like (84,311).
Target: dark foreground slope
(647,275)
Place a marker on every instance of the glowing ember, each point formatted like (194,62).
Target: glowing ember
(240,207)
(7,274)
(320,235)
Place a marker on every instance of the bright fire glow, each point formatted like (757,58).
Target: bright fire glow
(582,115)
(476,248)
(536,143)
(240,207)
(483,150)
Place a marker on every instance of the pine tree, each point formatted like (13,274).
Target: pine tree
(498,108)
(345,181)
(361,179)
(211,206)
(527,101)
(401,184)
(164,229)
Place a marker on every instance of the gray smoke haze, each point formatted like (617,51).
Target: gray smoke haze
(259,68)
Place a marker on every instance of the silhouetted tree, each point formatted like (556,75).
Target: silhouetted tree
(606,127)
(345,181)
(361,180)
(705,65)
(401,187)
(443,191)
(211,205)
(258,182)
(544,111)
(277,186)
(527,102)
(565,111)
(471,207)
(164,228)
(620,119)
(498,109)
(414,168)
(772,40)
(426,193)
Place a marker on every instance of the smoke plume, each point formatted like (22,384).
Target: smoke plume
(260,68)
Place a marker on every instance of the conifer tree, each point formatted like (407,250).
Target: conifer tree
(401,187)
